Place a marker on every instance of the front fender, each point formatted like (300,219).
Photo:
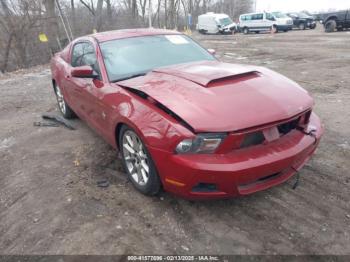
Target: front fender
(155,127)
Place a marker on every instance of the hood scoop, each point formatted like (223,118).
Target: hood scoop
(209,74)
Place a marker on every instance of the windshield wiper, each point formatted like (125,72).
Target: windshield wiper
(128,77)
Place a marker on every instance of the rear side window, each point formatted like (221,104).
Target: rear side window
(257,16)
(77,54)
(84,54)
(246,17)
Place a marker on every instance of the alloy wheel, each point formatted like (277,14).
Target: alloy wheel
(135,157)
(60,100)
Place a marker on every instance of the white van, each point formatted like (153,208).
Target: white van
(257,22)
(211,23)
(283,21)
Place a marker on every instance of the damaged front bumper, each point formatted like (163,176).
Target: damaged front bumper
(240,172)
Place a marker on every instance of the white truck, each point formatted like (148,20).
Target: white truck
(212,23)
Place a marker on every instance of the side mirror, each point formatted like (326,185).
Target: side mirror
(212,51)
(83,72)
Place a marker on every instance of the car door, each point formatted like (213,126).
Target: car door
(258,21)
(92,93)
(73,86)
(269,20)
(348,18)
(77,87)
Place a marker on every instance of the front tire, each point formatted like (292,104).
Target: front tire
(302,26)
(245,30)
(273,29)
(138,163)
(65,110)
(330,26)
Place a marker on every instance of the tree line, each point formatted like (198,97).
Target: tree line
(59,21)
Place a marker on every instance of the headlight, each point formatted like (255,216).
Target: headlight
(201,144)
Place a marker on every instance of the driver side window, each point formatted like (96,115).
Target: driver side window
(84,54)
(270,17)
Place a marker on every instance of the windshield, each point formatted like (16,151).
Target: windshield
(225,21)
(303,15)
(129,57)
(279,15)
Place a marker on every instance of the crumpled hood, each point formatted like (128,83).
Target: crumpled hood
(218,97)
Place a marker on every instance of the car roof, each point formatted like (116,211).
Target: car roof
(216,15)
(254,13)
(127,33)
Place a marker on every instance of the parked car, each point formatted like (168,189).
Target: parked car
(259,22)
(182,120)
(336,20)
(283,22)
(303,21)
(211,23)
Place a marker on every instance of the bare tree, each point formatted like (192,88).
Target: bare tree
(17,18)
(51,25)
(74,19)
(21,21)
(109,13)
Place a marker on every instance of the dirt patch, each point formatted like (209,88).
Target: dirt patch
(50,202)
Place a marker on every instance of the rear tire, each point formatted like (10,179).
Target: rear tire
(330,26)
(302,26)
(64,108)
(138,163)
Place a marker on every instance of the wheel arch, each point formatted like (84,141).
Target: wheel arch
(117,129)
(157,126)
(333,17)
(53,81)
(128,123)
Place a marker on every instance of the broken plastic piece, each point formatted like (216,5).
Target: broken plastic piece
(59,120)
(45,124)
(103,183)
(297,178)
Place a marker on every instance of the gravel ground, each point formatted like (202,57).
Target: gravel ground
(50,202)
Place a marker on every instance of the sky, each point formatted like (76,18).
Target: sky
(299,5)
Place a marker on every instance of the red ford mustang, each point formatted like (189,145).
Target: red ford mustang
(181,119)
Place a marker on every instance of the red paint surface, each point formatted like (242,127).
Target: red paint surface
(209,97)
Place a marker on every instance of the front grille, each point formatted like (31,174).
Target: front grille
(269,177)
(285,128)
(260,180)
(258,138)
(253,139)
